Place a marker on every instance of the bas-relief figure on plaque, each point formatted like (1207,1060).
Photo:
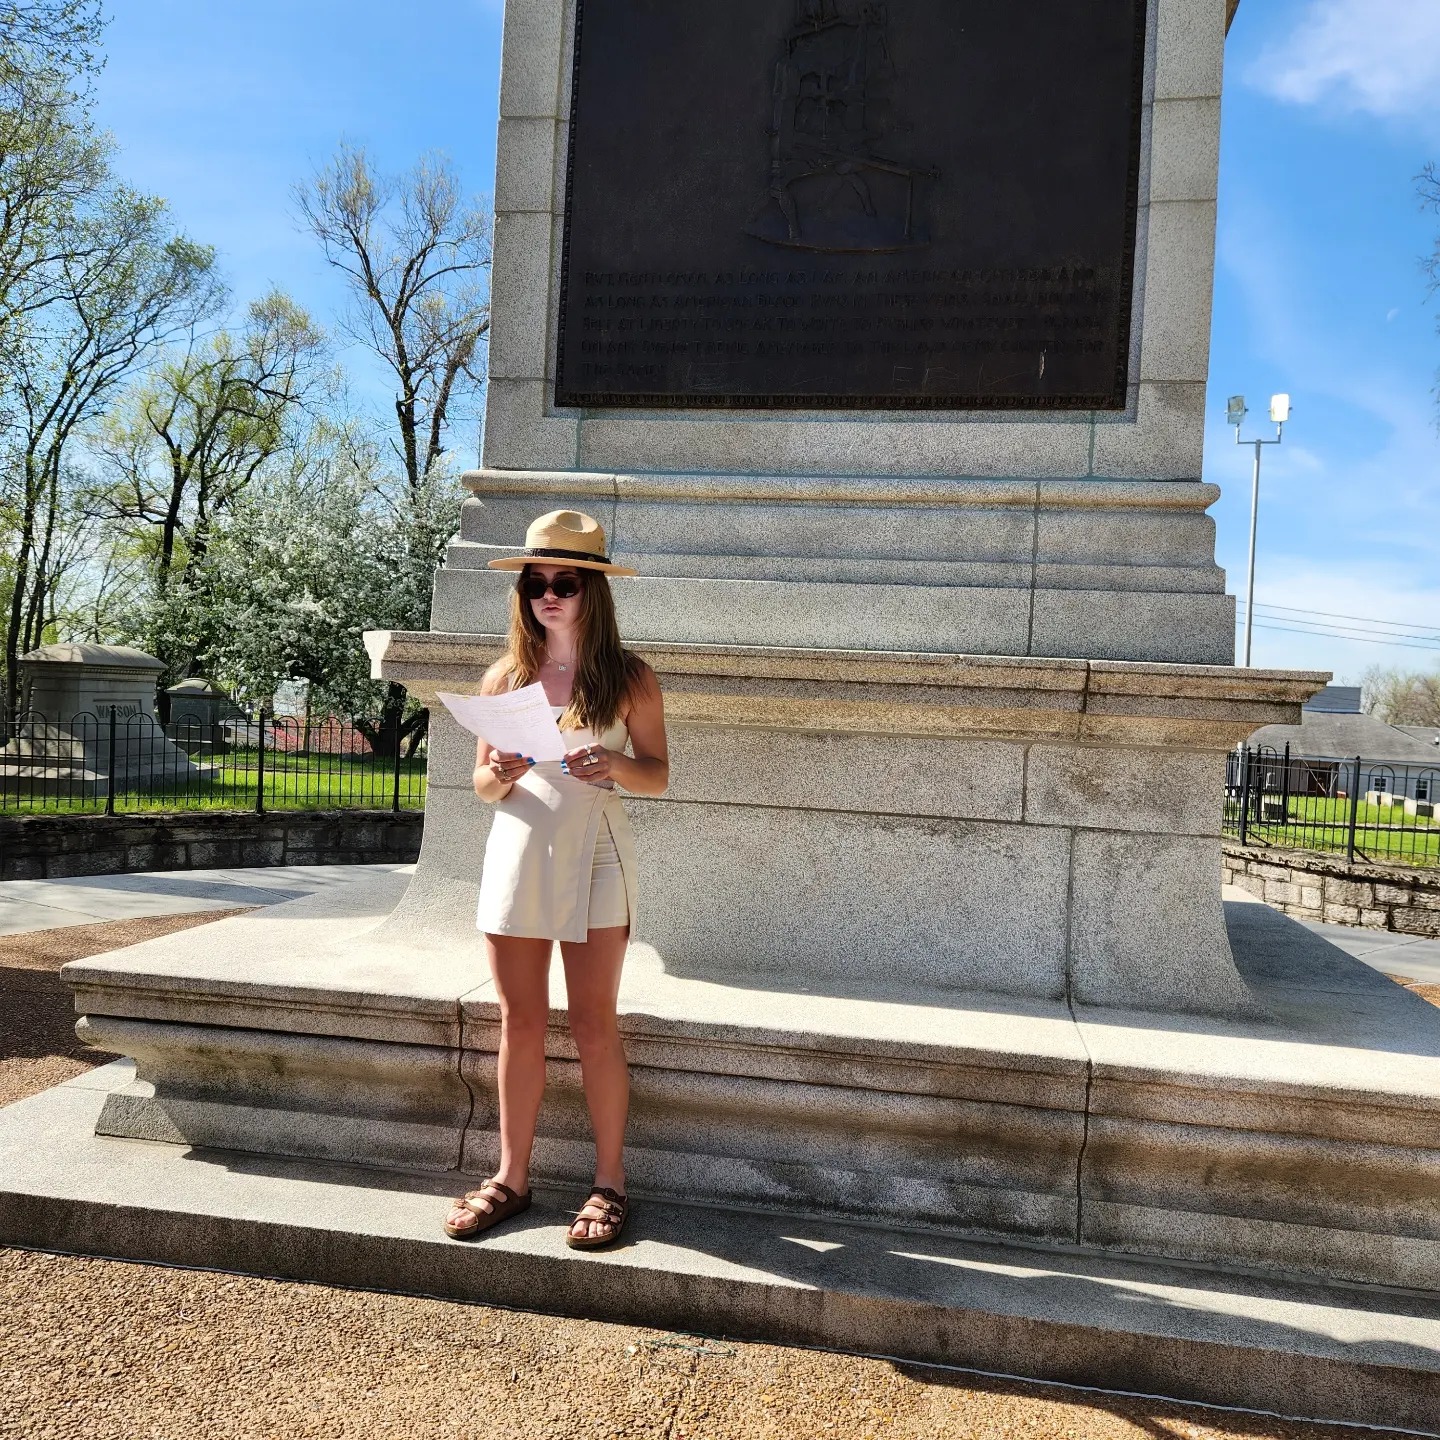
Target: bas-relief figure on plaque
(835,182)
(848,204)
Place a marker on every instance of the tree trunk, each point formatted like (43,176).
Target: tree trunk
(385,736)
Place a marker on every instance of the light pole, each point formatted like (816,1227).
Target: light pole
(1235,413)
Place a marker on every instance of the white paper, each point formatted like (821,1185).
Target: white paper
(519,721)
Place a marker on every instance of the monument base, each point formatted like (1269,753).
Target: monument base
(1306,1142)
(1312,1351)
(1037,829)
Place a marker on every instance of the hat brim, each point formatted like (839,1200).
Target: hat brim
(519,562)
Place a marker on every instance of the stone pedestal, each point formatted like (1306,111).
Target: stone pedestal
(361,1026)
(1011,826)
(198,711)
(1077,568)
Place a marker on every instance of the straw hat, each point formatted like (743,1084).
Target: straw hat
(564,535)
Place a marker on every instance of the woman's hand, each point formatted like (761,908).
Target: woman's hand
(590,763)
(508,767)
(496,771)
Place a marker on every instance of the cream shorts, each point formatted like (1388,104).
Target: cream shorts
(609,905)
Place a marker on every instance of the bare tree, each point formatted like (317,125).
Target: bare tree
(127,287)
(416,254)
(1402,697)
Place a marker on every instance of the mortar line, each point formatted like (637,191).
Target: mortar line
(469,1088)
(927,817)
(1034,570)
(1080,1036)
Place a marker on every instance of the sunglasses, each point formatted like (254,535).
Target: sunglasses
(563,587)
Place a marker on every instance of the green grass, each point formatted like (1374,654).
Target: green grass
(1383,833)
(292,782)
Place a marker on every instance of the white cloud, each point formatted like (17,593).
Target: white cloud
(1377,56)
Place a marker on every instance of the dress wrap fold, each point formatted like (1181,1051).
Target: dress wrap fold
(539,859)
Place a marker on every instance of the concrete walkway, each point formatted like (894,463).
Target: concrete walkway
(27,905)
(44,904)
(1412,956)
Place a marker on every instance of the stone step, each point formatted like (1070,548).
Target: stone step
(1328,1352)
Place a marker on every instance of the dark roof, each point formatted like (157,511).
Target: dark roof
(1342,737)
(1336,700)
(1428,735)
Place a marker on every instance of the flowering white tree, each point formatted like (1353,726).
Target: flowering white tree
(300,566)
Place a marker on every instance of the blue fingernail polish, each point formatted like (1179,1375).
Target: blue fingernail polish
(529,759)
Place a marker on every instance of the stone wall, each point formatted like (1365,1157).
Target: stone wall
(35,847)
(1325,887)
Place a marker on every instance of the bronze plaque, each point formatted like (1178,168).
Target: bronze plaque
(837,203)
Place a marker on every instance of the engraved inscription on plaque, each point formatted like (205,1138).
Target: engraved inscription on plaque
(839,203)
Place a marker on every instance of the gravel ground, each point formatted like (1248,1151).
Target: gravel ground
(99,1349)
(38,1047)
(105,1350)
(1425,992)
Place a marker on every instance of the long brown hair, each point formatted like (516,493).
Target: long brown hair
(604,669)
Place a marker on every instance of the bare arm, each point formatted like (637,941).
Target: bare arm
(647,771)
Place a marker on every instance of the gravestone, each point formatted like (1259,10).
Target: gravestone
(198,711)
(64,744)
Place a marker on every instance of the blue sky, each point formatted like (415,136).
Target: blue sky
(1331,109)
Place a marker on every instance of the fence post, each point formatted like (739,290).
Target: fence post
(110,767)
(1285,788)
(260,768)
(1244,792)
(395,794)
(1354,813)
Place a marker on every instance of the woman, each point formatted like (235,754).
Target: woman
(560,861)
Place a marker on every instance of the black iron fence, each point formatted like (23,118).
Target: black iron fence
(1376,810)
(113,762)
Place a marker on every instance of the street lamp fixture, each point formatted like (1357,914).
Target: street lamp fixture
(1235,413)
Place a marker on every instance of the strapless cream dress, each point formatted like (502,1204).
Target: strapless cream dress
(560,860)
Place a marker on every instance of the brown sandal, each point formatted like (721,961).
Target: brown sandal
(512,1204)
(612,1208)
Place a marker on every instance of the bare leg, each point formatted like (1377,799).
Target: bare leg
(592,982)
(521,969)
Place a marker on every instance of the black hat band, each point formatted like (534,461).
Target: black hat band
(568,555)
